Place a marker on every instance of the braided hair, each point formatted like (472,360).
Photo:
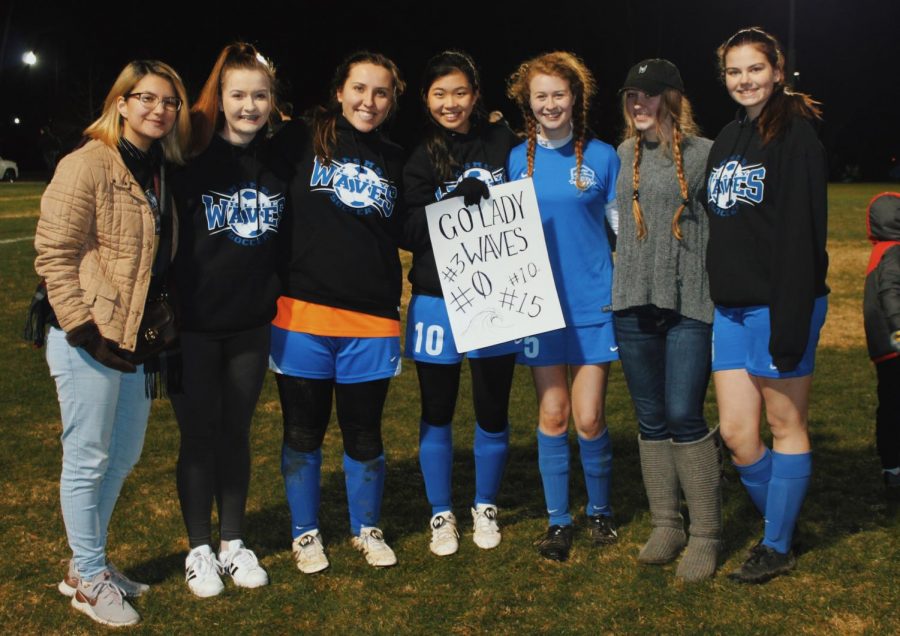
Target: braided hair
(674,121)
(571,68)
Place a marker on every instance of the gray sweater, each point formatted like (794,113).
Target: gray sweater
(661,270)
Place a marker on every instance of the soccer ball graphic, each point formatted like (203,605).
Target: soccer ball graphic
(246,220)
(357,186)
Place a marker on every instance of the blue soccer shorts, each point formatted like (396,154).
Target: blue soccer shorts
(741,340)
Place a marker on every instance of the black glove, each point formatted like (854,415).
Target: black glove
(472,191)
(88,337)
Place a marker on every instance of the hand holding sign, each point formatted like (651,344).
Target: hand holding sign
(493,265)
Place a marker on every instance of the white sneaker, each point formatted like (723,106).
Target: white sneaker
(444,535)
(242,565)
(486,531)
(104,601)
(201,572)
(371,543)
(130,588)
(309,553)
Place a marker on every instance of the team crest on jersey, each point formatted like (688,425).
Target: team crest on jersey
(355,186)
(588,177)
(478,170)
(731,183)
(251,215)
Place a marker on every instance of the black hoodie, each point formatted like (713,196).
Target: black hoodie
(230,208)
(768,210)
(481,154)
(346,220)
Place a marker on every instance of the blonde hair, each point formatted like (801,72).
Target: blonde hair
(108,127)
(571,68)
(675,114)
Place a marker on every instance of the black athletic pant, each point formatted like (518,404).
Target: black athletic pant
(491,384)
(306,408)
(223,376)
(887,417)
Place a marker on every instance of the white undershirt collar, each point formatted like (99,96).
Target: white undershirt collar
(553,144)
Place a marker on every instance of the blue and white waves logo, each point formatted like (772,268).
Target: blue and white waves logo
(477,170)
(588,177)
(355,186)
(731,183)
(251,215)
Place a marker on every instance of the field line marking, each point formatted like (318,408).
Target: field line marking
(16,240)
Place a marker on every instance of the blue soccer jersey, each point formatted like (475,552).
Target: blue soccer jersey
(574,224)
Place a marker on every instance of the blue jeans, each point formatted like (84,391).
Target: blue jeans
(666,360)
(104,416)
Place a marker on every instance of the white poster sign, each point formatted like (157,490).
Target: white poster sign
(493,265)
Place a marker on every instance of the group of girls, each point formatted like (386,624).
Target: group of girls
(286,257)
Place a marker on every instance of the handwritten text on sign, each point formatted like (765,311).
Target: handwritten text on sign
(493,265)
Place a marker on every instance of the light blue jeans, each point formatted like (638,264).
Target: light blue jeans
(104,417)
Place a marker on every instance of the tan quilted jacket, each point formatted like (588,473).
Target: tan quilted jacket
(94,243)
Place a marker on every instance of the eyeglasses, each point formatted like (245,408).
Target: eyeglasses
(150,100)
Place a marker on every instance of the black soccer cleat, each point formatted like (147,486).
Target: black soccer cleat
(763,564)
(555,545)
(602,530)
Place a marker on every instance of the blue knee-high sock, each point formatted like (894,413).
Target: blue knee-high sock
(596,460)
(491,451)
(301,473)
(787,490)
(755,478)
(436,461)
(365,487)
(553,461)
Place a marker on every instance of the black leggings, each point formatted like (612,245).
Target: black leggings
(306,408)
(223,376)
(491,384)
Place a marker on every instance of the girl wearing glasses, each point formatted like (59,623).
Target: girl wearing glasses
(767,204)
(337,330)
(106,229)
(230,207)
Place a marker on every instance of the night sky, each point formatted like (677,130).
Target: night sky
(846,52)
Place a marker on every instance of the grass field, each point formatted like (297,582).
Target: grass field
(849,535)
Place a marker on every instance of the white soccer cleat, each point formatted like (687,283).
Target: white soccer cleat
(309,553)
(486,531)
(371,543)
(444,535)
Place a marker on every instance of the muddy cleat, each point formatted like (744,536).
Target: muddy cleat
(104,601)
(371,543)
(444,535)
(556,544)
(309,553)
(602,530)
(763,564)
